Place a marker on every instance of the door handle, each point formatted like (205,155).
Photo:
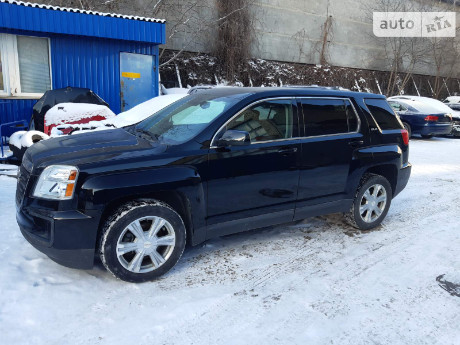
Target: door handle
(356,143)
(288,150)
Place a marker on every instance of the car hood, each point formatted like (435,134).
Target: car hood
(94,148)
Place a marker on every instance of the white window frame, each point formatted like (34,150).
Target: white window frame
(10,67)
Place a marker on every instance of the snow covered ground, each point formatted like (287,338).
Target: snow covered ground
(315,282)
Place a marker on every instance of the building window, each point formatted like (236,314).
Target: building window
(24,66)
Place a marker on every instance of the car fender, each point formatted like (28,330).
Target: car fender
(102,189)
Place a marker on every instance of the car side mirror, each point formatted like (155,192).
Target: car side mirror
(234,138)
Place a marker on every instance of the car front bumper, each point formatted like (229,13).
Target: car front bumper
(66,237)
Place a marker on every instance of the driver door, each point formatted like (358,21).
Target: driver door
(255,185)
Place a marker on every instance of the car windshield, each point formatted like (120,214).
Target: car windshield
(186,118)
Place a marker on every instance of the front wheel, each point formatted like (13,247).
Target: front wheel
(371,203)
(142,240)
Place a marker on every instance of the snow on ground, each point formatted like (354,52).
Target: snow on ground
(314,282)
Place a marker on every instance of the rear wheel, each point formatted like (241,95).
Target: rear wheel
(142,241)
(407,128)
(371,203)
(425,136)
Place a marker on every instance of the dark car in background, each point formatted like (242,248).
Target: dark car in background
(216,162)
(421,118)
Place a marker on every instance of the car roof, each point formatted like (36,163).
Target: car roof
(416,104)
(297,91)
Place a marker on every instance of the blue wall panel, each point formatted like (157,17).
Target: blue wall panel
(78,61)
(95,64)
(15,110)
(43,20)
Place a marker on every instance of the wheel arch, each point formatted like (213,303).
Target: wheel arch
(179,187)
(389,171)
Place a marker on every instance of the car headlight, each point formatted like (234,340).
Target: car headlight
(57,182)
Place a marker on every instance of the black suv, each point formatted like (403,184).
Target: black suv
(216,162)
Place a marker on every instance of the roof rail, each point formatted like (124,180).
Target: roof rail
(339,88)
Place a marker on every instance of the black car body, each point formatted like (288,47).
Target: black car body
(314,167)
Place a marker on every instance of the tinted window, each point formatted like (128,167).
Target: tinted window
(270,120)
(383,114)
(328,116)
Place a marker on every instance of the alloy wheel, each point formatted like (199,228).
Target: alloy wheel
(145,244)
(373,203)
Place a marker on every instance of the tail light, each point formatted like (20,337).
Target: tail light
(405,136)
(431,118)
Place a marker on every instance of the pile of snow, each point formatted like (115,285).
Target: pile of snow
(127,118)
(8,169)
(143,110)
(15,138)
(174,90)
(7,153)
(31,137)
(70,112)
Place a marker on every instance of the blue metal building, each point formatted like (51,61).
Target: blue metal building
(45,47)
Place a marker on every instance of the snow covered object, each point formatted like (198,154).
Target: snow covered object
(74,114)
(57,96)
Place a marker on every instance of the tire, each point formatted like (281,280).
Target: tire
(128,240)
(424,136)
(365,218)
(407,128)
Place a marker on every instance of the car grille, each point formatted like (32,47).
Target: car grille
(23,178)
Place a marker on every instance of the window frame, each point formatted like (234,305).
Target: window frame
(10,65)
(299,106)
(295,117)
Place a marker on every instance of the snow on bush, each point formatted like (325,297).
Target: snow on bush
(69,112)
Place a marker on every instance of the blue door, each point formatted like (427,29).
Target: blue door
(137,77)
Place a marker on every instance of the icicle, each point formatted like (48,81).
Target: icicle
(178,76)
(432,91)
(446,86)
(415,85)
(378,85)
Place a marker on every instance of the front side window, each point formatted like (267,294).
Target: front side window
(24,65)
(328,116)
(269,120)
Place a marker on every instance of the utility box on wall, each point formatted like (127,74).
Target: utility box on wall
(46,47)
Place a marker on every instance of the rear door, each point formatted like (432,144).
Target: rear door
(256,184)
(330,138)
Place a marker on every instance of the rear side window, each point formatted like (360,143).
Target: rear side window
(328,116)
(383,114)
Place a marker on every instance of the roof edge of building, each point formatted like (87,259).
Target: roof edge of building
(76,10)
